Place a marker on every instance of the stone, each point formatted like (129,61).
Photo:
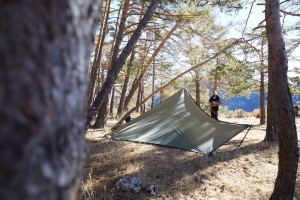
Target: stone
(129,184)
(152,189)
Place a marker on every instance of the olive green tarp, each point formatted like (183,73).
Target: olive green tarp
(178,122)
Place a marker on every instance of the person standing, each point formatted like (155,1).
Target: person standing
(214,102)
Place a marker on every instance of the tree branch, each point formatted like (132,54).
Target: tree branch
(248,18)
(259,27)
(290,13)
(172,80)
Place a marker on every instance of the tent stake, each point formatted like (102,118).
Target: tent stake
(245,136)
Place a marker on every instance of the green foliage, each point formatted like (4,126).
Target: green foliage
(295,85)
(218,71)
(239,77)
(198,38)
(224,5)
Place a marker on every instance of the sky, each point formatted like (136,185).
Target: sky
(256,16)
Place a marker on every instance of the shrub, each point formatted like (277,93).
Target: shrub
(256,113)
(238,114)
(297,110)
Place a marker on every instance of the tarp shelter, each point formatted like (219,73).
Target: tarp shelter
(178,122)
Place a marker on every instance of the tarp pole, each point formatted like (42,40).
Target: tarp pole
(245,136)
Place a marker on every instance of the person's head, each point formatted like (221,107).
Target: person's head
(215,93)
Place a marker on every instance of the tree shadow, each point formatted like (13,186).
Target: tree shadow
(167,167)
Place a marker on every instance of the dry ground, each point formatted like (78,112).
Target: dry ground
(245,172)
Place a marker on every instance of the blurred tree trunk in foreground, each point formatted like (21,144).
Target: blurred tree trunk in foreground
(44,54)
(279,95)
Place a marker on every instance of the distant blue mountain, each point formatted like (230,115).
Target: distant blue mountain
(248,104)
(296,99)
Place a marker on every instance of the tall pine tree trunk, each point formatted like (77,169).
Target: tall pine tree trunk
(140,96)
(197,86)
(280,97)
(44,54)
(103,110)
(262,85)
(102,115)
(95,68)
(143,106)
(127,77)
(125,84)
(153,82)
(114,71)
(272,127)
(138,99)
(112,102)
(262,97)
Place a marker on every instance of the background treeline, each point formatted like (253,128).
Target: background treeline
(182,46)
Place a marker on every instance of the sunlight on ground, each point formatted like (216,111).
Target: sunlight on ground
(245,172)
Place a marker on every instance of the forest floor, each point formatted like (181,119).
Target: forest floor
(232,173)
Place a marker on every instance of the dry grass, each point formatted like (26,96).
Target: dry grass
(247,172)
(239,113)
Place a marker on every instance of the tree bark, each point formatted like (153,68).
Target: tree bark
(143,106)
(111,109)
(262,85)
(262,97)
(135,86)
(102,116)
(115,33)
(125,85)
(216,75)
(153,82)
(103,110)
(120,34)
(197,87)
(280,95)
(44,54)
(127,77)
(138,99)
(98,52)
(272,128)
(114,71)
